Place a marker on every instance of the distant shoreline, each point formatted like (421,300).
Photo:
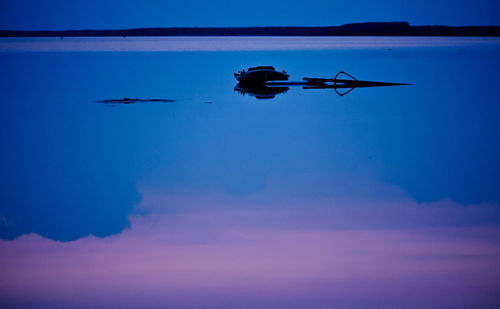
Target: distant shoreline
(359,29)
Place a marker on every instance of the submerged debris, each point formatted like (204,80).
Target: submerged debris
(133,100)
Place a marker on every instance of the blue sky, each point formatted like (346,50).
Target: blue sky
(112,14)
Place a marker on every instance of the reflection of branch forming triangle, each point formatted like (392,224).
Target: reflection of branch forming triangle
(348,84)
(335,83)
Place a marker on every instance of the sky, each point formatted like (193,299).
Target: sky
(117,14)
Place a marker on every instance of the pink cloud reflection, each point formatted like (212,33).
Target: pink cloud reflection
(250,256)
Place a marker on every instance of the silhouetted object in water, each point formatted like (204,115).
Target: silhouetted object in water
(363,29)
(131,101)
(260,75)
(260,91)
(341,86)
(338,83)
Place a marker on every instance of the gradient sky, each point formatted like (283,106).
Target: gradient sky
(111,14)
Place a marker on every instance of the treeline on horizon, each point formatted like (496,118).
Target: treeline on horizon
(357,29)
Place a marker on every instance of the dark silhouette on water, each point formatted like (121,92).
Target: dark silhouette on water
(260,91)
(356,29)
(260,74)
(263,89)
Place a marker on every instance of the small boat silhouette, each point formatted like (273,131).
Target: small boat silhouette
(260,75)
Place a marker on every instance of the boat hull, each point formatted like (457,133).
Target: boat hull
(260,76)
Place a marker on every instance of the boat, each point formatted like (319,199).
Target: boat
(260,75)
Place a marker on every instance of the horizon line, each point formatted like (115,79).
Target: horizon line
(246,27)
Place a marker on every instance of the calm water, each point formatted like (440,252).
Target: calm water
(387,196)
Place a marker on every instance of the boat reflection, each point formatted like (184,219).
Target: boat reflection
(260,91)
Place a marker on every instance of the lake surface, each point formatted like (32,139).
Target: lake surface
(384,197)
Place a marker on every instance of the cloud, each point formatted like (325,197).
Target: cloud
(248,258)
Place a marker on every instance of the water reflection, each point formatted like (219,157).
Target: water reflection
(260,91)
(230,205)
(65,188)
(269,88)
(224,252)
